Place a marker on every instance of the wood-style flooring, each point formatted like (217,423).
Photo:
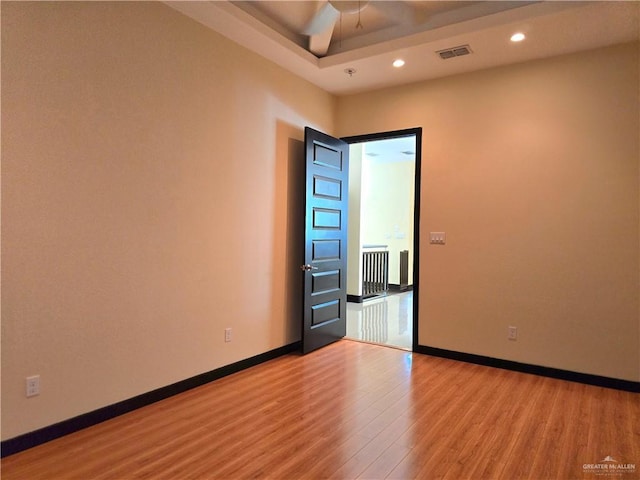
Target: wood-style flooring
(354,410)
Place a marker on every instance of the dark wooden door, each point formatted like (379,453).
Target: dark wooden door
(325,257)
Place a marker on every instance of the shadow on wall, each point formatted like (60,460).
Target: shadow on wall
(288,233)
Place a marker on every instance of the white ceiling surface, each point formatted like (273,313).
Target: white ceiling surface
(552,28)
(391,150)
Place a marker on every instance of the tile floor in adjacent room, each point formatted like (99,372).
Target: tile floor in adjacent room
(386,320)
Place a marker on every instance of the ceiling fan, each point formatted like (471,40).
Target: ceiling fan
(320,28)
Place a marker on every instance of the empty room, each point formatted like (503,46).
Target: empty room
(175,180)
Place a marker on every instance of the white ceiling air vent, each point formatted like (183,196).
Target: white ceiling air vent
(454,52)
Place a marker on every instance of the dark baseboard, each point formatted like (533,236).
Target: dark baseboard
(586,378)
(393,288)
(363,298)
(46,434)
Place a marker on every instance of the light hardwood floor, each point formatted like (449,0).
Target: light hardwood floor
(385,320)
(354,410)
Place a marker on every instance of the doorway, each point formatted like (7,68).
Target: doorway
(382,272)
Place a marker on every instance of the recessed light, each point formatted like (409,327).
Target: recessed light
(517,37)
(398,63)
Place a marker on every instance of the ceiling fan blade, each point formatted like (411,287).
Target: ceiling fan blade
(324,20)
(319,44)
(399,12)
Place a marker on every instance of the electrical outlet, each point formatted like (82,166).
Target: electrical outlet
(227,334)
(33,385)
(512,333)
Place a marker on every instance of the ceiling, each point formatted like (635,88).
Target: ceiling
(415,31)
(400,149)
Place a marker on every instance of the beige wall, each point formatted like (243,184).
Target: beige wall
(381,201)
(387,209)
(532,171)
(147,203)
(354,240)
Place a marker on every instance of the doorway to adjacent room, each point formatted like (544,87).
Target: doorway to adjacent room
(384,177)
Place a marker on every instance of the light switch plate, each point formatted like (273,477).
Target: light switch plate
(437,238)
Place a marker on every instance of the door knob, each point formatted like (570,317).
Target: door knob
(306,268)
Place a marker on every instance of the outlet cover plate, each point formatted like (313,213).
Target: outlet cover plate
(33,386)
